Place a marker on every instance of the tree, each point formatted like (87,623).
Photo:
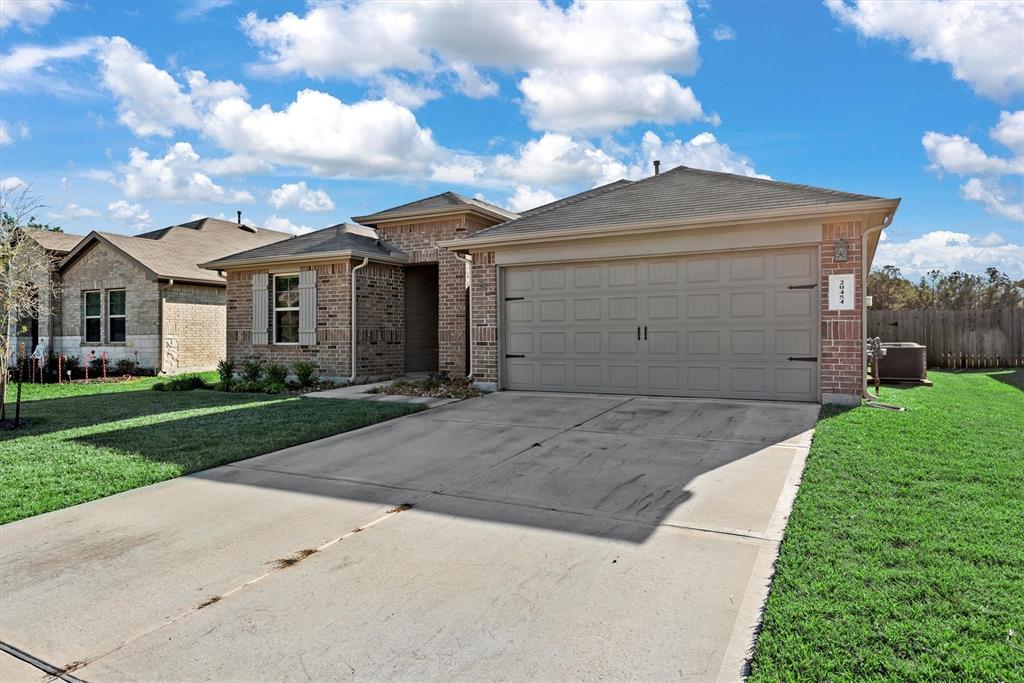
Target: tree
(889,290)
(956,291)
(22,264)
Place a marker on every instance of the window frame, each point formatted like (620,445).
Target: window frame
(86,317)
(122,316)
(275,308)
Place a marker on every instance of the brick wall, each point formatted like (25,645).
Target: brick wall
(419,240)
(331,353)
(195,327)
(103,268)
(485,318)
(380,321)
(842,336)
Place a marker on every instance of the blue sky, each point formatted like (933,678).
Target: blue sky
(128,116)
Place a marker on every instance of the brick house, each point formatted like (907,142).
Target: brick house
(292,301)
(145,297)
(35,333)
(685,283)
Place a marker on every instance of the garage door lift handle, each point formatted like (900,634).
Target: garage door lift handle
(807,358)
(514,355)
(515,298)
(810,286)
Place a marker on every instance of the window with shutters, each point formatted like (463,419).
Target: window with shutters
(116,316)
(93,317)
(286,309)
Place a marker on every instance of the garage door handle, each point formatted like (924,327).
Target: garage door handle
(645,332)
(811,286)
(638,333)
(514,355)
(808,358)
(515,298)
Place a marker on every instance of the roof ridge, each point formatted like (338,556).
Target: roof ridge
(771,181)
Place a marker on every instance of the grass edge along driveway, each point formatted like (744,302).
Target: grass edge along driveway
(90,441)
(903,557)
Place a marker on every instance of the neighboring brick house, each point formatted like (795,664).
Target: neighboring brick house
(145,297)
(687,283)
(34,334)
(292,301)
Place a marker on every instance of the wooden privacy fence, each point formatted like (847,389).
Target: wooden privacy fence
(957,339)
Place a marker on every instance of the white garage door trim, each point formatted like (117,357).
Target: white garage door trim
(742,324)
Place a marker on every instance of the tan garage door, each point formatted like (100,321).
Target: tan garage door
(733,325)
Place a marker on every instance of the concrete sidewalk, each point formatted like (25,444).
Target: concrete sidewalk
(511,536)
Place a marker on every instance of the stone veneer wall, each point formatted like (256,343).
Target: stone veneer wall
(419,240)
(842,334)
(104,268)
(485,319)
(194,327)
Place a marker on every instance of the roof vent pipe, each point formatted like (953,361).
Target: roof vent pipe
(239,218)
(657,167)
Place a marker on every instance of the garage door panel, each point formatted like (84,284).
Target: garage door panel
(798,303)
(716,325)
(746,268)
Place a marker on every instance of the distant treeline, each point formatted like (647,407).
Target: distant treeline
(958,291)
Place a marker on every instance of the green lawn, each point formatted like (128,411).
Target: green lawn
(904,554)
(89,441)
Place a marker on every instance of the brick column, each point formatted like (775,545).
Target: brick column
(485,320)
(842,334)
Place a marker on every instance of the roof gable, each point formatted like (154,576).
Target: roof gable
(56,242)
(681,193)
(175,252)
(440,204)
(344,238)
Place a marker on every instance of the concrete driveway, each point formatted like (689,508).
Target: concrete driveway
(549,537)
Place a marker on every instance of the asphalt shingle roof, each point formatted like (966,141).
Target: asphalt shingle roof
(56,242)
(441,201)
(341,237)
(175,252)
(679,193)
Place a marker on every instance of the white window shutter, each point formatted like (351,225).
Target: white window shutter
(260,304)
(307,307)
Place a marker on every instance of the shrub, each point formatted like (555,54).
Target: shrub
(273,387)
(276,374)
(72,364)
(182,383)
(96,367)
(126,366)
(252,369)
(226,370)
(244,387)
(304,371)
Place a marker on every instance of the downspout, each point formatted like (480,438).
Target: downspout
(469,259)
(160,322)
(366,259)
(864,268)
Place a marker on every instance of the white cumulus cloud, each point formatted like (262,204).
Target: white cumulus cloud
(28,14)
(599,43)
(299,196)
(285,225)
(599,100)
(702,151)
(132,215)
(5,134)
(989,184)
(525,198)
(327,136)
(947,251)
(981,41)
(72,211)
(175,176)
